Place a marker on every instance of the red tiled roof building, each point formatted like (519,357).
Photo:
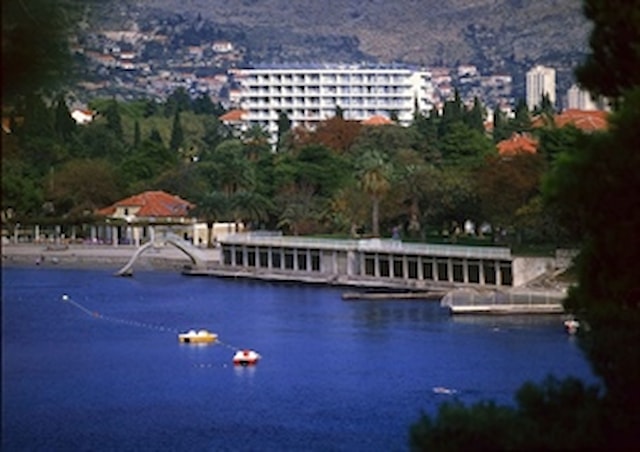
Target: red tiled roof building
(149,204)
(516,144)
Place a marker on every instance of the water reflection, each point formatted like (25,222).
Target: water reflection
(244,371)
(386,313)
(511,321)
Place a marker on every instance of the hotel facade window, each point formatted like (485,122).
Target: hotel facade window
(360,92)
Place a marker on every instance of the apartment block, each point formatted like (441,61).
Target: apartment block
(540,80)
(309,95)
(578,99)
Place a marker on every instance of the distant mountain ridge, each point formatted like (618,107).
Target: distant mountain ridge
(498,36)
(429,32)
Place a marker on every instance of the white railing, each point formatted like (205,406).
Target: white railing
(369,245)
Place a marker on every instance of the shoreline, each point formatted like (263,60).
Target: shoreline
(98,256)
(461,300)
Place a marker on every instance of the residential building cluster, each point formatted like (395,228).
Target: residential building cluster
(135,64)
(131,64)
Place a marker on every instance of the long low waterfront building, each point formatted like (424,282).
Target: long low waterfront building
(389,262)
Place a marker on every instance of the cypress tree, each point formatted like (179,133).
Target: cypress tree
(64,124)
(177,134)
(136,135)
(114,121)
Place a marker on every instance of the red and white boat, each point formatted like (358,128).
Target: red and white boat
(246,358)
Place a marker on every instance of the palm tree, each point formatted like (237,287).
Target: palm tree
(212,207)
(374,177)
(250,206)
(297,206)
(414,177)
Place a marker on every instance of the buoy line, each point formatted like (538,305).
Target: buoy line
(95,314)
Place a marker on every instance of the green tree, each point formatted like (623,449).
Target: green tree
(501,129)
(98,141)
(284,125)
(474,118)
(298,207)
(136,134)
(553,141)
(374,176)
(114,120)
(522,121)
(413,178)
(452,113)
(611,67)
(178,100)
(202,105)
(82,186)
(539,421)
(64,124)
(22,194)
(507,184)
(232,170)
(594,189)
(35,45)
(177,134)
(463,145)
(323,170)
(214,132)
(545,107)
(212,207)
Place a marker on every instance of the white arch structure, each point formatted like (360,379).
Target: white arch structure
(192,253)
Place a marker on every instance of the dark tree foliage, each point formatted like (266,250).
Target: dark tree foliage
(474,118)
(136,135)
(612,66)
(594,188)
(114,120)
(64,124)
(177,134)
(284,125)
(179,101)
(541,420)
(501,130)
(522,121)
(35,45)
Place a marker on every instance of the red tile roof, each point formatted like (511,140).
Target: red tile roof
(517,143)
(585,120)
(233,116)
(377,120)
(152,204)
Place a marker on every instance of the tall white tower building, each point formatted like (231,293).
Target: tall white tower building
(540,80)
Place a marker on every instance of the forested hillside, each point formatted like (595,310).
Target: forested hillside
(492,34)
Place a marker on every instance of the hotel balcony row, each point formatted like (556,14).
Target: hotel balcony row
(253,103)
(329,79)
(279,90)
(300,115)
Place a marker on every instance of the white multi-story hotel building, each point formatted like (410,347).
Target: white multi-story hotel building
(540,80)
(309,95)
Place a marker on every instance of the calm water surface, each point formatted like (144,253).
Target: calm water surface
(335,375)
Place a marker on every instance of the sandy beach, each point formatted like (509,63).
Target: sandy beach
(99,256)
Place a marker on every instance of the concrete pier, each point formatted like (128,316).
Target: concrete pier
(417,265)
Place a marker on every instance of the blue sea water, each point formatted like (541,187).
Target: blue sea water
(335,375)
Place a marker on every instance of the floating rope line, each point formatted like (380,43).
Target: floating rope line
(95,314)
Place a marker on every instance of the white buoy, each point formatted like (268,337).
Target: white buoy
(65,297)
